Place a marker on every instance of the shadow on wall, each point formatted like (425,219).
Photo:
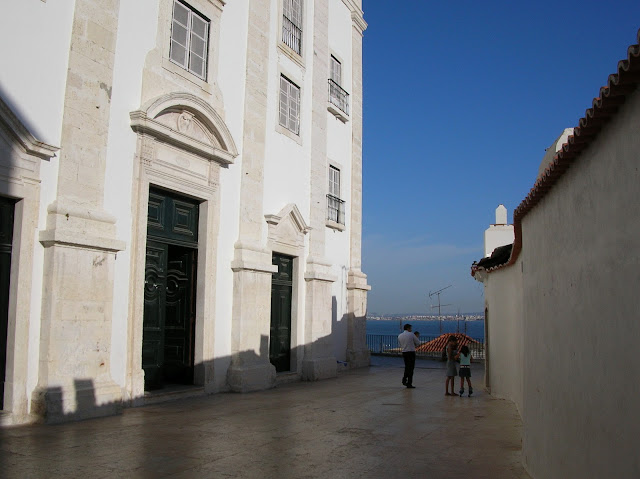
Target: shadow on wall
(55,405)
(20,114)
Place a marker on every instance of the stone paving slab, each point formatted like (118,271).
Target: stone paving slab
(363,424)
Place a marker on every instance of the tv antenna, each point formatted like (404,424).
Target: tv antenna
(437,293)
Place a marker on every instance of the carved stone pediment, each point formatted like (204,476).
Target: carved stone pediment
(287,229)
(189,123)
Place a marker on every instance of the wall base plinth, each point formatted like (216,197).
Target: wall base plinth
(83,400)
(359,359)
(317,369)
(254,377)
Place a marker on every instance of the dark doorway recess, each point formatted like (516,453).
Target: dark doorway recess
(281,294)
(7,207)
(170,290)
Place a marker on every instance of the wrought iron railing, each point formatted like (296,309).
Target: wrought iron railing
(291,35)
(387,344)
(335,209)
(338,97)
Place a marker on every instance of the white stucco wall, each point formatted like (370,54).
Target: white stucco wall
(503,297)
(581,261)
(580,271)
(231,79)
(137,29)
(339,137)
(497,235)
(32,82)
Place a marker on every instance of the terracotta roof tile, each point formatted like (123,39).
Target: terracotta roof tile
(439,343)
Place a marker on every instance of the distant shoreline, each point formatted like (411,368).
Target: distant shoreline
(428,318)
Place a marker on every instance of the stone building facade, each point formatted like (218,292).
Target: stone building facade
(562,301)
(181,200)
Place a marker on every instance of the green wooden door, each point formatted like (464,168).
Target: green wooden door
(281,294)
(155,294)
(6,239)
(179,315)
(170,289)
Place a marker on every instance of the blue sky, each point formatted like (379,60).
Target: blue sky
(460,101)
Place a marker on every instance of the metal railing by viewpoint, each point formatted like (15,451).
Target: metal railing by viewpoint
(387,344)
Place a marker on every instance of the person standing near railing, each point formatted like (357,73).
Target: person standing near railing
(408,342)
(465,369)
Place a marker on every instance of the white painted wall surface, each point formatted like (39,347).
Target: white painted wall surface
(33,77)
(581,269)
(497,235)
(32,83)
(339,155)
(503,295)
(231,79)
(137,29)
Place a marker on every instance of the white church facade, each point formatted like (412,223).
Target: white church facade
(180,200)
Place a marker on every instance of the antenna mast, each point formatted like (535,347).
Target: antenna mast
(437,293)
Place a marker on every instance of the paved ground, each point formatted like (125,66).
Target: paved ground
(363,424)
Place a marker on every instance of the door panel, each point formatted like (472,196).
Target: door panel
(180,315)
(173,218)
(281,294)
(6,240)
(155,286)
(169,309)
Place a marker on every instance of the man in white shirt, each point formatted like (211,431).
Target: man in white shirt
(408,342)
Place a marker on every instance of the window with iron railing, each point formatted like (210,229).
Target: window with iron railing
(335,209)
(337,95)
(335,206)
(292,24)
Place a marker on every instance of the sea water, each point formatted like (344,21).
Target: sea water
(429,328)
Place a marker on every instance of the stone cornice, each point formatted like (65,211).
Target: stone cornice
(15,127)
(319,269)
(218,3)
(353,6)
(356,279)
(358,22)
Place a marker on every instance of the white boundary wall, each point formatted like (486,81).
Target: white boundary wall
(579,267)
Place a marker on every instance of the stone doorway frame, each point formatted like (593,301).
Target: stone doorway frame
(21,155)
(182,144)
(286,235)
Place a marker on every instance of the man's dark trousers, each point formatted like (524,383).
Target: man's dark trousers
(409,363)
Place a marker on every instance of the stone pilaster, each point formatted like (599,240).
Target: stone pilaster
(319,361)
(250,367)
(74,379)
(357,287)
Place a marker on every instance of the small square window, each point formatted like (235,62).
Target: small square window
(189,39)
(289,105)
